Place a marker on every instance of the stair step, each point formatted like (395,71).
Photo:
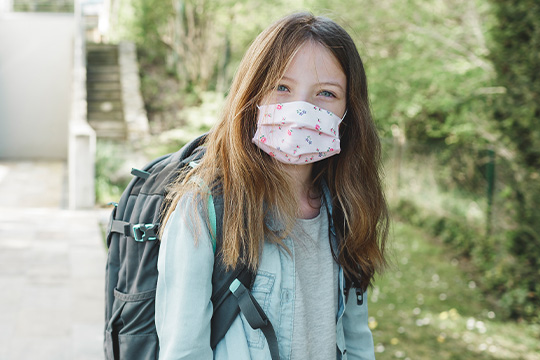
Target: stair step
(103,69)
(106,86)
(100,50)
(101,61)
(104,95)
(117,116)
(104,77)
(104,91)
(102,55)
(107,123)
(101,125)
(111,135)
(90,46)
(105,106)
(99,57)
(109,129)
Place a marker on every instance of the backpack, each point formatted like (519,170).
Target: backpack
(131,272)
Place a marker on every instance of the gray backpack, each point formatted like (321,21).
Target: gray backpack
(131,274)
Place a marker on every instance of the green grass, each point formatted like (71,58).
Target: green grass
(429,306)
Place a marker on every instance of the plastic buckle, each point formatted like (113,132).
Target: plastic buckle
(142,232)
(359,297)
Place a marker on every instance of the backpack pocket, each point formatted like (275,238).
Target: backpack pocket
(262,287)
(131,331)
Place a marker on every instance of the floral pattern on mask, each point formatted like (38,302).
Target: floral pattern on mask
(303,134)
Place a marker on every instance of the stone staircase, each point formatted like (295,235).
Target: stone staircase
(104,91)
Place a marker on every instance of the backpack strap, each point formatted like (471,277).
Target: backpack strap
(231,295)
(246,303)
(140,173)
(255,315)
(213,221)
(211,208)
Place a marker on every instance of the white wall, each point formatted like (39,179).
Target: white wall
(36,52)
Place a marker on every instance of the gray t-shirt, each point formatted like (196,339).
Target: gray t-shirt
(315,309)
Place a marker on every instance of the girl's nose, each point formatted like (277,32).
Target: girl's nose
(303,95)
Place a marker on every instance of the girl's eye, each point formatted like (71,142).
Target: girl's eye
(326,93)
(282,88)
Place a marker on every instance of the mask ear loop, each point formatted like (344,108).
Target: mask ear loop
(341,123)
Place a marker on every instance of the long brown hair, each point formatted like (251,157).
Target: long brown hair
(254,185)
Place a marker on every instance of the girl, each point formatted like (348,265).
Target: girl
(297,155)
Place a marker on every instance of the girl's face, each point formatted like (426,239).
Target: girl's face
(315,76)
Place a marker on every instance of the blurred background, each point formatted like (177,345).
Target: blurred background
(100,86)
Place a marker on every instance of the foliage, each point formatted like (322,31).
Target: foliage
(111,177)
(515,54)
(427,66)
(190,47)
(516,45)
(422,192)
(200,41)
(433,84)
(426,61)
(114,160)
(196,120)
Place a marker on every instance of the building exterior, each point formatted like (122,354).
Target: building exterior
(42,90)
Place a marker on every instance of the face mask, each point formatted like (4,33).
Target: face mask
(297,132)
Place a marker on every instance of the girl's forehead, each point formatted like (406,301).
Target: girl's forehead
(315,60)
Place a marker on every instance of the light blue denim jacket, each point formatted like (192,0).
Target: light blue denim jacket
(184,309)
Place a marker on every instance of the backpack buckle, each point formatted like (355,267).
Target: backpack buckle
(359,297)
(142,232)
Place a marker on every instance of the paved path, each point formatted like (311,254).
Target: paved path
(52,264)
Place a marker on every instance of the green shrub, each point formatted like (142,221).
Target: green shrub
(505,280)
(452,231)
(515,49)
(111,177)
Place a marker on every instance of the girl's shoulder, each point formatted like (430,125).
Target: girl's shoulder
(194,216)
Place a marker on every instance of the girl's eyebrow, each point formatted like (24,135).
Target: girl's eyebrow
(288,79)
(326,83)
(331,83)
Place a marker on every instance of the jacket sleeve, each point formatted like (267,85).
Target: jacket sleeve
(184,286)
(358,337)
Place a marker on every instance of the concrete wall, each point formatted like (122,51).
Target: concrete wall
(36,52)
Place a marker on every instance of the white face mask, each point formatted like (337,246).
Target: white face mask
(297,132)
